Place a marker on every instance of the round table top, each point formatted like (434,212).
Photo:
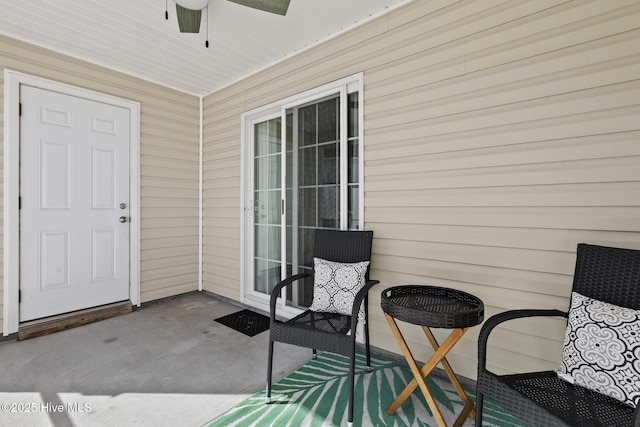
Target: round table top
(432,306)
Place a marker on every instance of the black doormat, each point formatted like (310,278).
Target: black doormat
(246,321)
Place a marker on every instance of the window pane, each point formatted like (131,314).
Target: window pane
(307,166)
(289,125)
(328,164)
(328,120)
(354,162)
(289,259)
(329,207)
(267,172)
(303,290)
(267,207)
(267,242)
(305,246)
(289,176)
(267,137)
(353,115)
(261,138)
(307,207)
(274,135)
(354,207)
(267,275)
(307,125)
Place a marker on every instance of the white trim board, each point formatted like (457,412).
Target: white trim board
(11,163)
(201,194)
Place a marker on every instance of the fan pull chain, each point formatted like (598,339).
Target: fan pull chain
(206,43)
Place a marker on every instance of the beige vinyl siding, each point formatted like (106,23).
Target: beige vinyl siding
(169,159)
(498,135)
(499,154)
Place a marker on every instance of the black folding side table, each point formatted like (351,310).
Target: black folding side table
(432,307)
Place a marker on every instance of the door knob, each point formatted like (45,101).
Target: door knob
(123,219)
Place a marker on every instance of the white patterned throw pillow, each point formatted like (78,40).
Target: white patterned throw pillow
(336,284)
(602,349)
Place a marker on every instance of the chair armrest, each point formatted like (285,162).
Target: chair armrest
(357,302)
(277,290)
(499,318)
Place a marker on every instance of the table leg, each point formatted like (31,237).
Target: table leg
(420,374)
(418,378)
(468,409)
(451,340)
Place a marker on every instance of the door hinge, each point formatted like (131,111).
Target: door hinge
(19,202)
(282,207)
(19,296)
(20,109)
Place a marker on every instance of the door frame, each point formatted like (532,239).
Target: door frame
(11,162)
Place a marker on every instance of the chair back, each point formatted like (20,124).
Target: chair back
(608,274)
(343,246)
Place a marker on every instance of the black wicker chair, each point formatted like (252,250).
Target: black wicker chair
(327,331)
(541,398)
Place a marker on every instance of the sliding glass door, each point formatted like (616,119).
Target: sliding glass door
(305,173)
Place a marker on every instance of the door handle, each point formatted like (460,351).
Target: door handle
(124,219)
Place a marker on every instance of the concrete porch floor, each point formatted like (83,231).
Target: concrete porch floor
(166,364)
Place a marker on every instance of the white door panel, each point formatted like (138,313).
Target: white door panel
(74,176)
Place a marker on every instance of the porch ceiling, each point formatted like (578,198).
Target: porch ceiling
(133,36)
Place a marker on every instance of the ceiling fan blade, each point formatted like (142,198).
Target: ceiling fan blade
(274,6)
(188,19)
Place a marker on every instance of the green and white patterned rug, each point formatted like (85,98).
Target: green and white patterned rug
(317,395)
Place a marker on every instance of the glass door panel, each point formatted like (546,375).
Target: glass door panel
(313,183)
(267,210)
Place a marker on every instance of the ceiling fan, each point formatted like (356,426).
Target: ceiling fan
(189,12)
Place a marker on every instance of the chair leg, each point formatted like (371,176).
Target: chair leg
(352,372)
(269,371)
(479,398)
(366,331)
(367,348)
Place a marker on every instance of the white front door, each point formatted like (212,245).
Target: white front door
(74,203)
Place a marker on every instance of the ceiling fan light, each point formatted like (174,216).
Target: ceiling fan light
(192,4)
(274,6)
(188,20)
